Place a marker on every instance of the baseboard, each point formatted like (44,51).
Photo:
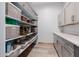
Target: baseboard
(44,43)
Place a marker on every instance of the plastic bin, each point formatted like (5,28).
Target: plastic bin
(13,11)
(12,32)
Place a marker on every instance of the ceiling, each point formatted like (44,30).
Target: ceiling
(45,3)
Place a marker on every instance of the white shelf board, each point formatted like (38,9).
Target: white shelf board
(25,43)
(21,50)
(13,18)
(7,54)
(15,6)
(16,19)
(28,44)
(28,23)
(14,38)
(12,51)
(18,37)
(21,21)
(29,34)
(27,11)
(9,25)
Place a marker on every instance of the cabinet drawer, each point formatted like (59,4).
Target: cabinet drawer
(66,53)
(71,50)
(59,49)
(68,45)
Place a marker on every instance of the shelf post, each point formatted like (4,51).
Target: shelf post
(2,29)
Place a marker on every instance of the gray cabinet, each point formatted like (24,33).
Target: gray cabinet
(76,12)
(59,48)
(69,13)
(57,45)
(61,18)
(69,18)
(66,53)
(65,48)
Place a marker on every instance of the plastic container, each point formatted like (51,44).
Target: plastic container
(13,11)
(23,18)
(8,47)
(12,32)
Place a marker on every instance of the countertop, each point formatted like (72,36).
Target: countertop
(71,38)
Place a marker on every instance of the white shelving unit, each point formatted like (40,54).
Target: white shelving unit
(20,47)
(3,26)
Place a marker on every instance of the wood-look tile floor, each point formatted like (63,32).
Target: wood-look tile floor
(43,50)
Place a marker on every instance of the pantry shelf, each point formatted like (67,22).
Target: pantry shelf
(16,21)
(25,12)
(18,37)
(13,51)
(12,17)
(28,44)
(9,25)
(28,23)
(14,38)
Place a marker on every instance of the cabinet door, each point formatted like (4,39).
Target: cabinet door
(76,9)
(61,18)
(55,41)
(57,44)
(69,13)
(59,47)
(66,53)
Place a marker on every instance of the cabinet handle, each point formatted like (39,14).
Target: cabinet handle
(73,18)
(23,5)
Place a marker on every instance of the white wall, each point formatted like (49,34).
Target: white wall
(47,20)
